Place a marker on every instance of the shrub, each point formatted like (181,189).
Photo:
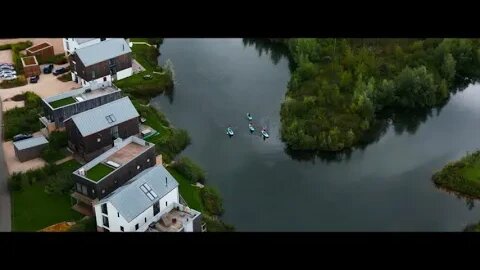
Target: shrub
(190,170)
(58,139)
(65,77)
(23,120)
(14,182)
(19,81)
(61,183)
(217,225)
(58,59)
(19,97)
(212,202)
(87,224)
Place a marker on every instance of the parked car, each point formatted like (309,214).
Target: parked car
(20,137)
(59,71)
(7,67)
(48,69)
(34,79)
(9,78)
(7,72)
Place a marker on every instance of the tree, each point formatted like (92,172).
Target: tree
(448,67)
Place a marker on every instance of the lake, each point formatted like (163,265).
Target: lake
(386,186)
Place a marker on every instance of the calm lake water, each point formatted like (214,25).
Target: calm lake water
(384,187)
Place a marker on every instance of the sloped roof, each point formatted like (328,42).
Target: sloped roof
(105,116)
(131,199)
(102,51)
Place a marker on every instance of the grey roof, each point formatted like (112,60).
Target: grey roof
(28,143)
(102,51)
(83,40)
(130,200)
(95,120)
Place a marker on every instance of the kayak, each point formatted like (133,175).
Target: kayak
(250,126)
(250,118)
(265,134)
(229,132)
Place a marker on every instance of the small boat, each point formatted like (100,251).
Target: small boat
(265,134)
(230,131)
(250,126)
(249,116)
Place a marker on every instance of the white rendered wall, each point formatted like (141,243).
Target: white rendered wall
(124,73)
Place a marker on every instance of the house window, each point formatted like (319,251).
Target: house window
(84,190)
(145,220)
(66,43)
(93,74)
(105,221)
(104,79)
(136,227)
(148,160)
(103,191)
(102,39)
(111,61)
(118,214)
(121,228)
(99,139)
(156,208)
(114,131)
(79,187)
(166,203)
(138,167)
(104,209)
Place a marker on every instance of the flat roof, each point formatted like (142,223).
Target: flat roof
(122,153)
(83,93)
(29,143)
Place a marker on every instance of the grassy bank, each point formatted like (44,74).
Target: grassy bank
(41,197)
(461,177)
(25,119)
(149,83)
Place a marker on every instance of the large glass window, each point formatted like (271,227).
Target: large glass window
(156,208)
(104,209)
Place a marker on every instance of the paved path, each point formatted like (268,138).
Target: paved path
(5,205)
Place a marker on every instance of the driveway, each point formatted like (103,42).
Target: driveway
(48,85)
(5,203)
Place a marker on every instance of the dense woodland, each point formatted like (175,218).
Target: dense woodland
(339,87)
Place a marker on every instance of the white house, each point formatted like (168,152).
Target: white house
(148,202)
(109,60)
(71,44)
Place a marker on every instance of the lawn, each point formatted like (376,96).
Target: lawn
(190,194)
(472,173)
(461,177)
(62,102)
(146,55)
(99,171)
(145,89)
(33,209)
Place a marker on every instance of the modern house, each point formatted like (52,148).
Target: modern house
(65,105)
(91,131)
(72,44)
(148,202)
(109,60)
(104,174)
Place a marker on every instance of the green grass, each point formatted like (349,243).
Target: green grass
(98,172)
(461,177)
(145,89)
(62,102)
(33,209)
(190,194)
(139,40)
(472,173)
(146,56)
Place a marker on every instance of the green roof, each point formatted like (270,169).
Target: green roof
(62,102)
(99,171)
